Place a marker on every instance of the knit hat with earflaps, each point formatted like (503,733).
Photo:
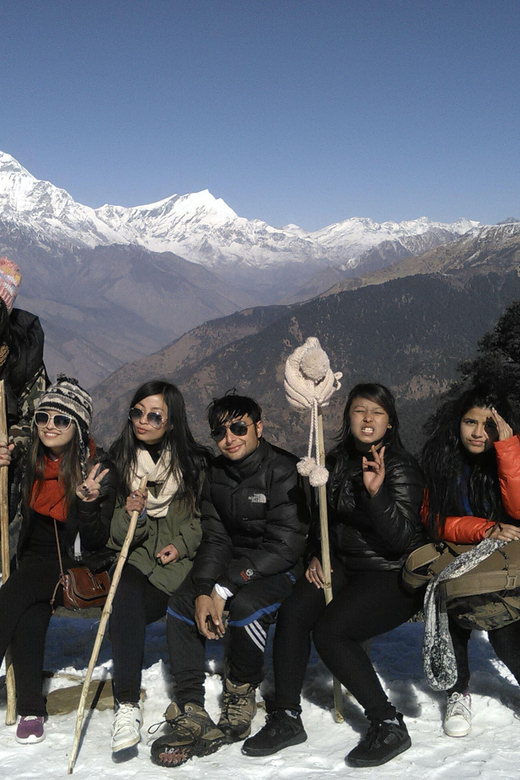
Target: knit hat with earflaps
(67,397)
(10,278)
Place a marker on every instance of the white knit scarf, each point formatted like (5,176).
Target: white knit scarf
(156,506)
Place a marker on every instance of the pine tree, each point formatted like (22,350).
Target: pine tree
(497,362)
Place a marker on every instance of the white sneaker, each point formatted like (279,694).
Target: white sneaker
(457,721)
(126,728)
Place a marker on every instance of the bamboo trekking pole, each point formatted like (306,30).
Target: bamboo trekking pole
(10,711)
(107,609)
(325,558)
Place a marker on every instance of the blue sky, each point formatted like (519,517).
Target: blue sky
(303,111)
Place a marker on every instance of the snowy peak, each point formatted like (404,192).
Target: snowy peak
(202,228)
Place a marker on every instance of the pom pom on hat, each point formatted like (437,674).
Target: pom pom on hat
(10,278)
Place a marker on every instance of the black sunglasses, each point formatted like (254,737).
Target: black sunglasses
(237,428)
(154,418)
(60,421)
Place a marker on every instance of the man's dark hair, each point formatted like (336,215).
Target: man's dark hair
(230,406)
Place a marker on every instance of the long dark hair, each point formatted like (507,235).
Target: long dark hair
(187,456)
(69,473)
(378,394)
(446,462)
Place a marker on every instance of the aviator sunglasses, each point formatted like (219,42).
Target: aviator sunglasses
(237,428)
(154,418)
(60,421)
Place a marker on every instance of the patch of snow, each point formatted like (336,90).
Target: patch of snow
(490,750)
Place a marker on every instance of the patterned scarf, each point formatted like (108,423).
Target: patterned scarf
(440,666)
(156,506)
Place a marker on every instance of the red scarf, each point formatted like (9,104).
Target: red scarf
(48,498)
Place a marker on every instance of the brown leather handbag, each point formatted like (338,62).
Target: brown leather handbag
(82,589)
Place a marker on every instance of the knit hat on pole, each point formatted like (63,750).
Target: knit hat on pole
(10,278)
(67,397)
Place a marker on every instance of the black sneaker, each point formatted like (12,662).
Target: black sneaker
(382,742)
(192,733)
(282,729)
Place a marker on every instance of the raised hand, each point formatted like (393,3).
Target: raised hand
(374,470)
(504,429)
(90,487)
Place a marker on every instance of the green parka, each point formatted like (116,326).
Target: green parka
(180,527)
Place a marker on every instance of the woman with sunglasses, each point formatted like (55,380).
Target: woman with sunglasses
(68,498)
(156,440)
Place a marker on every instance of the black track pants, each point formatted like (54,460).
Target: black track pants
(251,611)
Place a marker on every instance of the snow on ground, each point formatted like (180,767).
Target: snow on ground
(490,751)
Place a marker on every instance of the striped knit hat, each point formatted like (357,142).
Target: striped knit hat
(67,397)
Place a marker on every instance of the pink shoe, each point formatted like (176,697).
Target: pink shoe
(30,729)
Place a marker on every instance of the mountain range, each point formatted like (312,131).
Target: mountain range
(409,330)
(113,283)
(205,230)
(409,333)
(187,290)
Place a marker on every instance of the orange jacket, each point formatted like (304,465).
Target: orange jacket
(469,529)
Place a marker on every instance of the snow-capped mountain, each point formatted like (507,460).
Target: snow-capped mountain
(205,230)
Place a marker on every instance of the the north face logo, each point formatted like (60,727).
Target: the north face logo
(258,498)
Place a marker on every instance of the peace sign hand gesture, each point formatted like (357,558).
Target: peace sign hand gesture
(90,487)
(374,470)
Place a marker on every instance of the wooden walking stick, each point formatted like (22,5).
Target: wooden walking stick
(309,383)
(107,609)
(10,712)
(325,558)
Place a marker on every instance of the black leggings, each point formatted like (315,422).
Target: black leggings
(25,612)
(136,604)
(505,642)
(365,604)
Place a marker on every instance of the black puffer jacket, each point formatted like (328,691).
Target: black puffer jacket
(255,519)
(379,532)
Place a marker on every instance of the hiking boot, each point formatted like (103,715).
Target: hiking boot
(282,729)
(126,727)
(383,741)
(193,733)
(457,721)
(238,710)
(30,729)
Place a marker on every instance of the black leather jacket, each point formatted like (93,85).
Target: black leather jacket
(255,519)
(379,532)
